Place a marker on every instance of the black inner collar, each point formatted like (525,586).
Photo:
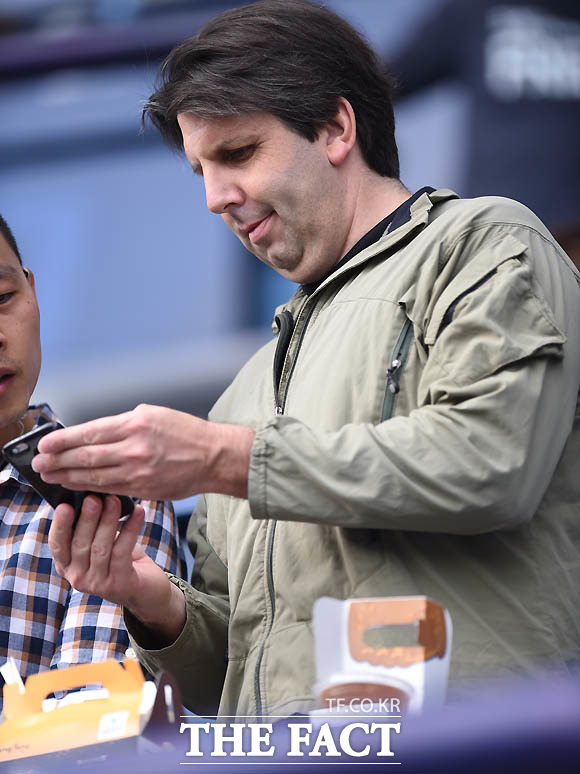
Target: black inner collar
(396,218)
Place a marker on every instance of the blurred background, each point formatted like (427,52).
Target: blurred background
(145,296)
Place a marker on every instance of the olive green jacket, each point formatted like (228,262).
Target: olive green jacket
(424,438)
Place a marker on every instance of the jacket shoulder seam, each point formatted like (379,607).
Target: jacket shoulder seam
(511,225)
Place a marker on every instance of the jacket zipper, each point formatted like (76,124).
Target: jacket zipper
(270,579)
(287,327)
(398,359)
(285,323)
(281,402)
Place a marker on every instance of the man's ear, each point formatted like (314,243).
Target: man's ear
(340,133)
(29,276)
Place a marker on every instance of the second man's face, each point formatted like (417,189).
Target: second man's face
(275,190)
(19,341)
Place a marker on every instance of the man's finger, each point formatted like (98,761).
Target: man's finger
(138,553)
(103,480)
(104,430)
(104,537)
(84,532)
(60,536)
(126,540)
(83,457)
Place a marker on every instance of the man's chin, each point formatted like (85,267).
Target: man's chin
(13,422)
(301,275)
(291,267)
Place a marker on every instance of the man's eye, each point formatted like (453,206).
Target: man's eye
(5,297)
(241,154)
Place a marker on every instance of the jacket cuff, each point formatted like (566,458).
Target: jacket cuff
(258,473)
(145,643)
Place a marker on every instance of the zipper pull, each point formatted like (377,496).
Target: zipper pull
(392,383)
(279,411)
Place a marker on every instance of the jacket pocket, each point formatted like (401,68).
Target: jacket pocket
(397,362)
(491,315)
(479,269)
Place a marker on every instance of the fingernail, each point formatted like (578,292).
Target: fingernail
(91,506)
(38,463)
(112,502)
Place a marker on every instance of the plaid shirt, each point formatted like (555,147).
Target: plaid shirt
(44,622)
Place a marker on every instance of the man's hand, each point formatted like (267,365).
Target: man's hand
(151,453)
(97,559)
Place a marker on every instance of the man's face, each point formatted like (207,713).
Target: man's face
(276,191)
(19,341)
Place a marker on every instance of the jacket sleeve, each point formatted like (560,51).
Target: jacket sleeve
(198,658)
(496,404)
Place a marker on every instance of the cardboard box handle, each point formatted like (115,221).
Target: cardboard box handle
(431,639)
(112,675)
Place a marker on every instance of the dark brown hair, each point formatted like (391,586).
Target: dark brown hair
(9,237)
(290,58)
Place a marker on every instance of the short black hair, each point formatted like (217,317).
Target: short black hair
(291,58)
(9,237)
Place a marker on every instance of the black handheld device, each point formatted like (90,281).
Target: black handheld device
(20,451)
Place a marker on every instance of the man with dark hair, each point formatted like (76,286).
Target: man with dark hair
(414,426)
(44,621)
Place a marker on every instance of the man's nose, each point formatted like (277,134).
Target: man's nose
(221,191)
